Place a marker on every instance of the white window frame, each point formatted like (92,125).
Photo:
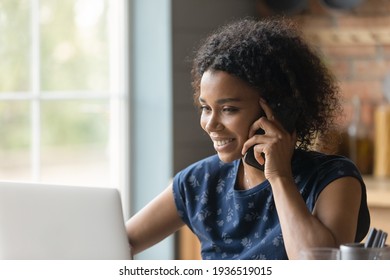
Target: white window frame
(118,97)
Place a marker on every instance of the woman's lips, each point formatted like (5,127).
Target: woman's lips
(223,145)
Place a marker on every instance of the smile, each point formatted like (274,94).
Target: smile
(223,142)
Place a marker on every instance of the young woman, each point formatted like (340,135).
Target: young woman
(263,92)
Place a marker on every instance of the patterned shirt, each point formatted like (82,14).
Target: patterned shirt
(244,224)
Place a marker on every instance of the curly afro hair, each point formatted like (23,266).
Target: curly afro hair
(271,56)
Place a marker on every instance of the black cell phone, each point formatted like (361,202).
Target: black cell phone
(249,156)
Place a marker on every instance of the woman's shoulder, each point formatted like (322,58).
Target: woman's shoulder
(329,166)
(315,158)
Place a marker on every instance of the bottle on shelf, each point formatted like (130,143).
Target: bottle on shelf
(360,144)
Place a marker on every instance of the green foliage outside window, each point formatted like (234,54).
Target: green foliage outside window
(73,52)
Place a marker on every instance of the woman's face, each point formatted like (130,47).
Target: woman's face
(228,108)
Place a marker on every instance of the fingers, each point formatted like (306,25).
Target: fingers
(273,130)
(267,122)
(267,110)
(271,127)
(259,141)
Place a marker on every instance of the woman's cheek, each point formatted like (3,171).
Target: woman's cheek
(203,122)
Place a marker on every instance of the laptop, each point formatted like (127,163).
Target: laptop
(56,222)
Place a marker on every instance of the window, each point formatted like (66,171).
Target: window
(64,92)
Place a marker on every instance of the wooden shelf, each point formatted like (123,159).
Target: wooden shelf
(378,199)
(378,191)
(348,36)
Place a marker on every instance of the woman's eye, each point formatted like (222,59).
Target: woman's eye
(207,109)
(230,109)
(204,108)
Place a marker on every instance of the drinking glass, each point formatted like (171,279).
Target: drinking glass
(357,251)
(320,253)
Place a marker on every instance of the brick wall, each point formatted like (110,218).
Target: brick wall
(360,63)
(355,44)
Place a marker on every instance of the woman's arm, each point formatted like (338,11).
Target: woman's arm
(333,221)
(154,222)
(334,218)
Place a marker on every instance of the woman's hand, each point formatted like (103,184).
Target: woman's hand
(277,144)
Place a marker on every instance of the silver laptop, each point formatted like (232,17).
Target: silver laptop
(41,221)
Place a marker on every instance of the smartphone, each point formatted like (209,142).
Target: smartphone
(249,156)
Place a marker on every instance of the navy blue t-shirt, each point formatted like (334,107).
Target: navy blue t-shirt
(244,224)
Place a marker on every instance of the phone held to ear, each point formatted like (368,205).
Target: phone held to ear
(249,156)
(286,111)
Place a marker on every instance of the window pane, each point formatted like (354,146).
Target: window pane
(15,141)
(74,45)
(75,142)
(14,45)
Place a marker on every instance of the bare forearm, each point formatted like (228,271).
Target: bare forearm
(300,228)
(154,222)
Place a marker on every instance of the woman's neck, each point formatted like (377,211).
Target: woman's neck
(249,177)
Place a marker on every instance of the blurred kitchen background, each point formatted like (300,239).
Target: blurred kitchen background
(97,92)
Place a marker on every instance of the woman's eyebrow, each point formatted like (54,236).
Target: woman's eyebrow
(222,100)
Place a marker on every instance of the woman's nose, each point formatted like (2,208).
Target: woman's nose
(213,123)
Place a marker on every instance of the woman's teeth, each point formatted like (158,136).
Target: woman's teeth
(223,142)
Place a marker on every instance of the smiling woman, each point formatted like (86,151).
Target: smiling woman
(228,109)
(251,75)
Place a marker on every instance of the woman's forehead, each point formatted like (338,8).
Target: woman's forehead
(224,86)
